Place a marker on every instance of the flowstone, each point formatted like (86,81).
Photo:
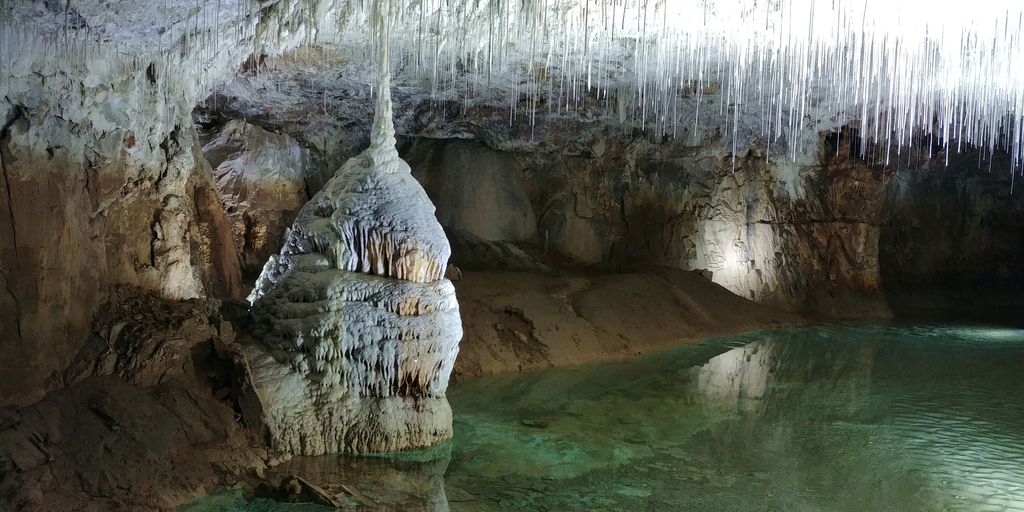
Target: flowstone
(356,328)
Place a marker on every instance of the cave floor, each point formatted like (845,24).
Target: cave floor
(838,418)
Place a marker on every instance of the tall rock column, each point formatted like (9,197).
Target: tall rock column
(356,328)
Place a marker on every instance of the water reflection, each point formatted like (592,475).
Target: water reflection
(840,418)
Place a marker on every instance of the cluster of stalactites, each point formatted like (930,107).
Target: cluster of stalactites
(198,47)
(775,72)
(372,217)
(354,245)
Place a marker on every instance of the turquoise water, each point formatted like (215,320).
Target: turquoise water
(891,418)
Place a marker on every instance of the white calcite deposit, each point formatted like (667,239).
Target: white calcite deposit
(357,328)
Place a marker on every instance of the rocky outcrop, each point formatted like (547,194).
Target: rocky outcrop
(516,321)
(84,210)
(261,181)
(146,422)
(145,340)
(103,182)
(354,483)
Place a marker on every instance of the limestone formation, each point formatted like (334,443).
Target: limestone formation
(260,179)
(357,328)
(476,189)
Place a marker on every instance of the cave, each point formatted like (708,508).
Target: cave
(511,255)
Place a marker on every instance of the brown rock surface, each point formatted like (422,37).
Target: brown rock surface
(515,321)
(144,426)
(951,240)
(83,213)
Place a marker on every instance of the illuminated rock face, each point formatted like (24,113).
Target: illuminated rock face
(259,177)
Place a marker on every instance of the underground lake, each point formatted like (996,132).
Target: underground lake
(838,418)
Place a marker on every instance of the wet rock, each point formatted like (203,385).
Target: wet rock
(533,423)
(413,482)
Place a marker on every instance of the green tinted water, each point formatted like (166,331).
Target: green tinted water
(826,418)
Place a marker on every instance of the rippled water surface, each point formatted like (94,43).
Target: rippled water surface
(826,418)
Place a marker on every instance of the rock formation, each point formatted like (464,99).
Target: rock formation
(101,195)
(103,181)
(260,178)
(951,239)
(797,235)
(357,328)
(475,189)
(145,421)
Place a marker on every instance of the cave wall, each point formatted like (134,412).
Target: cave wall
(104,182)
(803,238)
(101,187)
(796,231)
(805,234)
(474,188)
(952,237)
(261,181)
(836,236)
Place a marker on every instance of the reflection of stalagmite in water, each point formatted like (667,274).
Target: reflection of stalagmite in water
(407,482)
(357,327)
(757,375)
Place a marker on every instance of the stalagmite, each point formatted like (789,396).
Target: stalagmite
(357,329)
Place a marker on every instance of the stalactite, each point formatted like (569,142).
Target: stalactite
(790,68)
